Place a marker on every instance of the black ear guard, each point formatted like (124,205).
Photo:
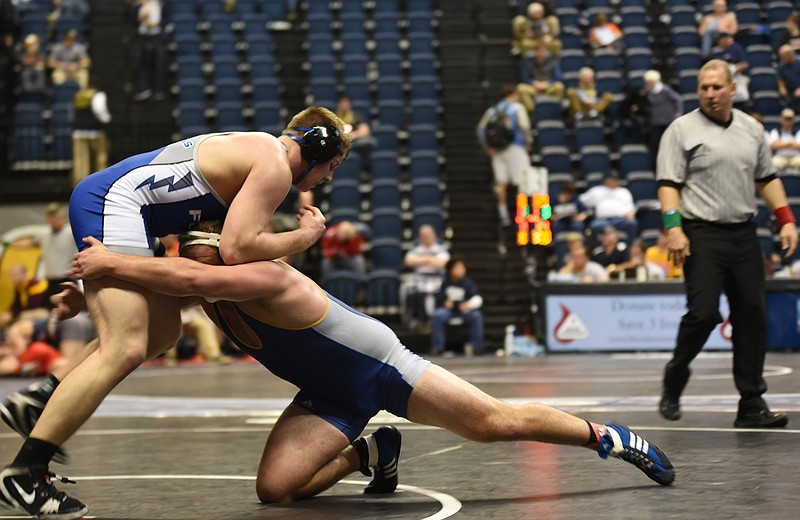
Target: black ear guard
(318,145)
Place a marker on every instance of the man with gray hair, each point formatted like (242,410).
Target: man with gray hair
(789,76)
(707,165)
(666,105)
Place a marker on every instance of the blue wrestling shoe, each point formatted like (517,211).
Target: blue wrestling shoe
(622,443)
(389,442)
(30,490)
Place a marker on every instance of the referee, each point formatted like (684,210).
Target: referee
(707,164)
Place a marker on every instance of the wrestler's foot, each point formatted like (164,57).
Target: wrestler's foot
(386,441)
(620,442)
(30,490)
(21,410)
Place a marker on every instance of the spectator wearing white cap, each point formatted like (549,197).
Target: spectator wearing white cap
(785,143)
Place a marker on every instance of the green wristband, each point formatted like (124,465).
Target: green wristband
(671,218)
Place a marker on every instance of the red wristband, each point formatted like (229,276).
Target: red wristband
(784,215)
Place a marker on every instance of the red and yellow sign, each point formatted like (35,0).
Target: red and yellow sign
(533,219)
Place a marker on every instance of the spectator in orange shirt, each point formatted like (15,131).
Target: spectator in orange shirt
(604,34)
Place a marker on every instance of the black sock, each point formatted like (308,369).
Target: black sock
(592,435)
(35,452)
(47,387)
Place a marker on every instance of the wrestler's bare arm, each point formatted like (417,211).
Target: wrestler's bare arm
(180,277)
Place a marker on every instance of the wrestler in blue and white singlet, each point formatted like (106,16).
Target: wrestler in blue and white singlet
(348,365)
(148,195)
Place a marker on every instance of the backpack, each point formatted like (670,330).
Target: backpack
(499,132)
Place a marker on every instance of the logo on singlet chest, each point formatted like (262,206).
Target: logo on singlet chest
(184,182)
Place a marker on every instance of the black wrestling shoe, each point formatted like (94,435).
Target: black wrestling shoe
(21,410)
(389,442)
(761,419)
(30,490)
(670,409)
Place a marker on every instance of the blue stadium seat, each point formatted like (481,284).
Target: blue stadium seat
(636,37)
(684,37)
(767,103)
(390,89)
(609,81)
(230,118)
(265,89)
(422,65)
(226,67)
(187,43)
(687,82)
(228,90)
(321,66)
(760,56)
(547,108)
(605,59)
(220,23)
(211,7)
(634,158)
(387,138)
(325,89)
(682,16)
(392,112)
(763,79)
(555,181)
(424,165)
(358,89)
(778,10)
(419,5)
(344,194)
(425,192)
(344,285)
(687,58)
(568,16)
(571,60)
(387,221)
(551,133)
(648,214)
(61,130)
(184,23)
(262,67)
(223,45)
(258,45)
(353,22)
(423,87)
(791,183)
(690,102)
(386,23)
(65,92)
(640,58)
(389,65)
(763,214)
(419,21)
(386,253)
(748,14)
(354,44)
(385,193)
(556,159)
(592,179)
(642,185)
(192,115)
(383,285)
(424,112)
(384,165)
(355,66)
(589,133)
(571,38)
(189,67)
(319,22)
(191,90)
(275,9)
(422,137)
(633,17)
(420,42)
(595,159)
(386,44)
(766,240)
(268,114)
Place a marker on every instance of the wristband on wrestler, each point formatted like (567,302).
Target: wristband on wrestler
(784,215)
(671,218)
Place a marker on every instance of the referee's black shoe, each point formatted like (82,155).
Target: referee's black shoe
(669,408)
(761,419)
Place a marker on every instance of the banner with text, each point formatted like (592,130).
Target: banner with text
(623,322)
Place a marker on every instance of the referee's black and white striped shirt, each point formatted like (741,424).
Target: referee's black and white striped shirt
(715,165)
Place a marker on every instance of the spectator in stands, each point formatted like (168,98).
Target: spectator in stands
(89,141)
(360,132)
(658,254)
(541,75)
(718,21)
(196,325)
(638,268)
(633,111)
(569,213)
(458,299)
(735,55)
(789,76)
(149,51)
(665,106)
(613,206)
(792,35)
(510,156)
(427,261)
(585,101)
(581,269)
(30,297)
(611,253)
(342,249)
(69,60)
(605,34)
(534,29)
(785,143)
(33,76)
(38,359)
(58,248)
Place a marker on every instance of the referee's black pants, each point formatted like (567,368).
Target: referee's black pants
(723,258)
